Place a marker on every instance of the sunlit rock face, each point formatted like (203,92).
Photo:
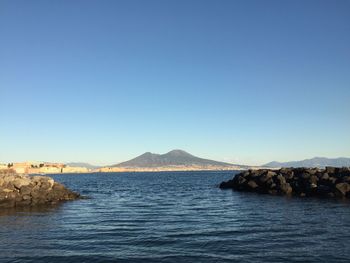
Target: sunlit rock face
(23,190)
(328,182)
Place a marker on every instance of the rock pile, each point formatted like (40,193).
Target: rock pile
(328,182)
(23,190)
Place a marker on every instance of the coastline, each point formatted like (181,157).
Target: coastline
(29,168)
(168,169)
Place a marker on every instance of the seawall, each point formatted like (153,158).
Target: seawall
(328,182)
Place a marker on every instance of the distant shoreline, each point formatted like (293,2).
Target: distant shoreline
(153,170)
(120,172)
(169,162)
(168,169)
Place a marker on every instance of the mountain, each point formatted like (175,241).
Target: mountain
(314,162)
(172,158)
(86,165)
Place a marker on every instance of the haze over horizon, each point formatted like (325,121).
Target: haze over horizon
(245,82)
(231,161)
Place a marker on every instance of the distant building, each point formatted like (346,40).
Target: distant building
(42,168)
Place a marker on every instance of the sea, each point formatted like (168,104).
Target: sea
(174,217)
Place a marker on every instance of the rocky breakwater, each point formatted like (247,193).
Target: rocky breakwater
(328,182)
(23,190)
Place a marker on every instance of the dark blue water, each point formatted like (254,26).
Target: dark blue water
(175,217)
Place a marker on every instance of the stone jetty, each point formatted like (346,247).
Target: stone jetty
(24,190)
(328,182)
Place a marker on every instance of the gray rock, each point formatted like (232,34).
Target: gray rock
(252,184)
(268,175)
(325,176)
(313,179)
(19,182)
(280,179)
(286,189)
(343,188)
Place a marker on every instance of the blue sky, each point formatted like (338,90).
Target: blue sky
(241,81)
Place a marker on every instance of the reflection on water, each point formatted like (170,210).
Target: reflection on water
(174,217)
(29,211)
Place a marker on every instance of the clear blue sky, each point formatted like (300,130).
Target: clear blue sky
(243,81)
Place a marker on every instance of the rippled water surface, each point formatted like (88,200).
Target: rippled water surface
(175,217)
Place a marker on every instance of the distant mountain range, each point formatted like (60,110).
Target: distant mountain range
(181,160)
(86,165)
(172,158)
(320,162)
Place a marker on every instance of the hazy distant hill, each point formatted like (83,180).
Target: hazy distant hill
(86,165)
(172,158)
(314,162)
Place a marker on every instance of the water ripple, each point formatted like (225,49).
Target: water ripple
(174,217)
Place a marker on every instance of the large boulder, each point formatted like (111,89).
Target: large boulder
(266,176)
(226,185)
(20,182)
(285,189)
(342,189)
(252,185)
(23,190)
